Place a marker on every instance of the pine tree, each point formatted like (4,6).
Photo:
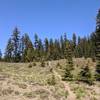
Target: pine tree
(85,75)
(57,50)
(9,51)
(46,48)
(29,54)
(69,64)
(78,49)
(0,55)
(62,46)
(22,44)
(27,48)
(36,46)
(16,45)
(74,40)
(74,44)
(85,47)
(92,46)
(40,49)
(65,41)
(98,47)
(51,50)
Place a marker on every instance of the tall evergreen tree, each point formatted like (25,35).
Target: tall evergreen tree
(74,44)
(29,53)
(9,51)
(65,41)
(41,49)
(36,46)
(62,46)
(27,48)
(16,45)
(22,44)
(36,41)
(85,75)
(92,46)
(74,40)
(98,46)
(46,48)
(51,50)
(69,63)
(57,49)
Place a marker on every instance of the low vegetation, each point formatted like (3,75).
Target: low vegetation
(41,83)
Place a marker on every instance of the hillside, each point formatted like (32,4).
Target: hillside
(31,81)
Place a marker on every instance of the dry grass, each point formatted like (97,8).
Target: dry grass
(29,81)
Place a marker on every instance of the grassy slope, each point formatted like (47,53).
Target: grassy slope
(19,82)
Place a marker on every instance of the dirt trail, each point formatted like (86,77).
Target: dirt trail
(71,95)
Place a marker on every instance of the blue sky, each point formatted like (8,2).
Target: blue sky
(47,18)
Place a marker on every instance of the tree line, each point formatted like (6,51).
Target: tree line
(22,49)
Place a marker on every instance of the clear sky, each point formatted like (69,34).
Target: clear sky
(48,18)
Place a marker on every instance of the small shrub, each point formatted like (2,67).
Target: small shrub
(58,65)
(17,92)
(68,76)
(66,94)
(85,75)
(51,70)
(30,66)
(42,93)
(34,64)
(23,86)
(52,80)
(80,92)
(7,91)
(29,94)
(42,64)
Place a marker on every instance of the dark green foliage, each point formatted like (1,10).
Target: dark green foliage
(69,64)
(40,50)
(16,45)
(9,51)
(51,49)
(29,55)
(46,48)
(74,45)
(85,75)
(67,73)
(36,47)
(69,56)
(12,53)
(97,42)
(62,46)
(74,40)
(92,45)
(27,49)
